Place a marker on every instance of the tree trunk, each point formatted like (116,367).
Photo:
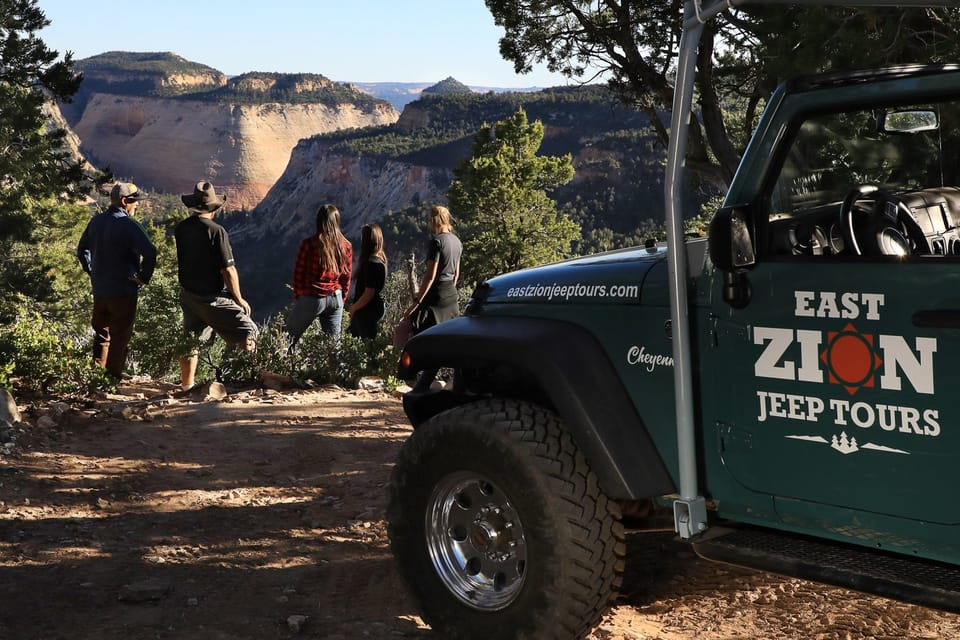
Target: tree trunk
(412,282)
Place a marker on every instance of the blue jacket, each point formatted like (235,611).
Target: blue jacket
(114,249)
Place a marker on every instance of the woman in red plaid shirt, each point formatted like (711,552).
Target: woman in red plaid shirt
(321,277)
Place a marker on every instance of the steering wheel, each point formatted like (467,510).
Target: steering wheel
(883,226)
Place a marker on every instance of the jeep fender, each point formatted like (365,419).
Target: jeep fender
(571,371)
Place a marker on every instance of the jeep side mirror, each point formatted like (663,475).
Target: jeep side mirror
(729,242)
(731,251)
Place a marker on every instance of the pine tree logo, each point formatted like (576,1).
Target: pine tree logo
(844,445)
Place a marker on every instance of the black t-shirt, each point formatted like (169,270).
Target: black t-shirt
(445,248)
(203,249)
(372,274)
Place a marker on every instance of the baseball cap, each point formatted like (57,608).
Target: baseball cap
(126,190)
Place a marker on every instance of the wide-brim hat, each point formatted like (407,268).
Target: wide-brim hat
(203,198)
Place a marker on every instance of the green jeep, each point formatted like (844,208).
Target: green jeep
(784,384)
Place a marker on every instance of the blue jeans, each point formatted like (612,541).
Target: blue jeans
(306,309)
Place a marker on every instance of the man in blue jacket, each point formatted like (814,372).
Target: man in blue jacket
(119,257)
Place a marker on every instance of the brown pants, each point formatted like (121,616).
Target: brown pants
(112,324)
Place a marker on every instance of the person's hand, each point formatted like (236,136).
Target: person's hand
(244,305)
(140,283)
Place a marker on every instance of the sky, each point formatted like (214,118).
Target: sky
(344,40)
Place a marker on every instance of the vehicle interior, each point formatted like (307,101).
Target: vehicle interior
(873,182)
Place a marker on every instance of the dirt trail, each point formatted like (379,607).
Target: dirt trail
(261,517)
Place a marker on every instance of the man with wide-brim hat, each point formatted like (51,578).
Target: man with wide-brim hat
(203,198)
(209,285)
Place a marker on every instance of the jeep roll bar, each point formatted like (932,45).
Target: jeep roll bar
(689,510)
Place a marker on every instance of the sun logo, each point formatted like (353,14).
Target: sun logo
(851,359)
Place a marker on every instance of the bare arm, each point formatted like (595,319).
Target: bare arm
(232,280)
(363,300)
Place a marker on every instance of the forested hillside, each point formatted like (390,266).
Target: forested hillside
(619,167)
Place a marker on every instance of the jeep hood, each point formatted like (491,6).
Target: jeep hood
(616,276)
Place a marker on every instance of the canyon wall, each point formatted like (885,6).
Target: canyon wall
(168,144)
(364,189)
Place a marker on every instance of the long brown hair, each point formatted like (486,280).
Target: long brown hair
(371,243)
(332,255)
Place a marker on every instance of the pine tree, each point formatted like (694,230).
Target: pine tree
(500,197)
(34,163)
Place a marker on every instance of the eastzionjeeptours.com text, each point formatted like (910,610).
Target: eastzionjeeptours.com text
(567,291)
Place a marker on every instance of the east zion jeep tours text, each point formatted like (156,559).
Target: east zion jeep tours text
(850,359)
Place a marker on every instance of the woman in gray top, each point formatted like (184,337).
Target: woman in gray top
(437,298)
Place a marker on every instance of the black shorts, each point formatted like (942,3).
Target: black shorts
(219,313)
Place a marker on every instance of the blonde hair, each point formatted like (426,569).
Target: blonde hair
(440,219)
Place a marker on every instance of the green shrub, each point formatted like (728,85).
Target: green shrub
(272,346)
(158,338)
(317,357)
(38,354)
(320,358)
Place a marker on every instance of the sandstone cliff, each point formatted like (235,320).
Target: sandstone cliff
(169,144)
(166,122)
(363,187)
(55,120)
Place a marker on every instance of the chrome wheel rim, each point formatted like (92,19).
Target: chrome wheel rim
(476,541)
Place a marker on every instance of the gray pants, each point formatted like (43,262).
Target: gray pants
(219,313)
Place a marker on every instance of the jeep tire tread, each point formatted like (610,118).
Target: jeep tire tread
(499,526)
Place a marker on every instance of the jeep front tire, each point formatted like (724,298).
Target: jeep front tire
(500,528)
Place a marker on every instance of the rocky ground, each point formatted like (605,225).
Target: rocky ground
(260,516)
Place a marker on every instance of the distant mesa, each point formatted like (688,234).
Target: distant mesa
(400,94)
(146,73)
(448,86)
(167,75)
(259,87)
(165,121)
(269,83)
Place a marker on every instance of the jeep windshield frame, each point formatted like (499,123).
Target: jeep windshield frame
(690,512)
